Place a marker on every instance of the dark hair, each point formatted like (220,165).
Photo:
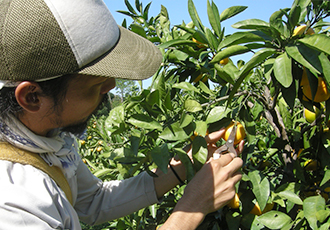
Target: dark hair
(55,88)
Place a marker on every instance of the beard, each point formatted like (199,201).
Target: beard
(79,129)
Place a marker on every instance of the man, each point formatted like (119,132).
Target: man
(58,59)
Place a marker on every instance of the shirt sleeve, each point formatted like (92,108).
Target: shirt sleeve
(30,199)
(98,201)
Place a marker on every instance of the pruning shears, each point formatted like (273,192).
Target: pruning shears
(228,146)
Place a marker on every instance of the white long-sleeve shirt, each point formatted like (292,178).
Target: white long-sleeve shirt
(30,199)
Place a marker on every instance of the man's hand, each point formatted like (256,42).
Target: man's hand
(211,188)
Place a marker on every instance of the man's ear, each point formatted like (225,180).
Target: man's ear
(28,96)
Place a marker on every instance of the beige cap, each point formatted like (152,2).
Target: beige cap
(41,39)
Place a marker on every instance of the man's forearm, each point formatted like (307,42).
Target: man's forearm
(165,182)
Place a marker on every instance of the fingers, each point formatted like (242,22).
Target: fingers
(240,147)
(215,136)
(229,158)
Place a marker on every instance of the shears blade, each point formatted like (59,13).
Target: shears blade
(228,146)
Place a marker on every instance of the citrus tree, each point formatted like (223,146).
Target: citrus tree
(280,96)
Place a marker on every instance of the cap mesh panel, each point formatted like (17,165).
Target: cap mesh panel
(132,58)
(32,43)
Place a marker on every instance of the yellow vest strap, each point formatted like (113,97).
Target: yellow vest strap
(10,153)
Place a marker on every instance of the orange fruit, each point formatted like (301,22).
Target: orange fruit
(299,152)
(197,134)
(224,61)
(325,196)
(240,132)
(257,211)
(322,93)
(304,78)
(199,77)
(310,116)
(269,206)
(99,149)
(234,203)
(299,30)
(200,44)
(311,165)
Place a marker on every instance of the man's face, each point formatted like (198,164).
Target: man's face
(84,95)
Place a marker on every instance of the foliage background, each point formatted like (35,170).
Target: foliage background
(263,93)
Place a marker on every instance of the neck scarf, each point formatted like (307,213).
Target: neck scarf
(60,149)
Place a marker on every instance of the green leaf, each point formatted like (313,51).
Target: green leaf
(204,88)
(116,116)
(185,86)
(304,8)
(256,59)
(239,38)
(179,55)
(174,133)
(138,29)
(294,16)
(125,13)
(102,172)
(268,67)
(159,86)
(291,196)
(199,151)
(186,120)
(311,206)
(192,106)
(319,42)
(296,52)
(224,75)
(138,6)
(164,12)
(153,98)
(326,177)
(251,24)
(231,12)
(274,219)
(217,113)
(275,21)
(282,70)
(230,51)
(129,7)
(200,36)
(194,15)
(261,188)
(212,40)
(161,157)
(214,18)
(176,42)
(135,142)
(325,63)
(201,128)
(322,215)
(144,121)
(325,226)
(184,158)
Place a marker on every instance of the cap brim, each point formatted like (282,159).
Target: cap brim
(133,57)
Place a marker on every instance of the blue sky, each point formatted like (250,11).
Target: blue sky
(178,11)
